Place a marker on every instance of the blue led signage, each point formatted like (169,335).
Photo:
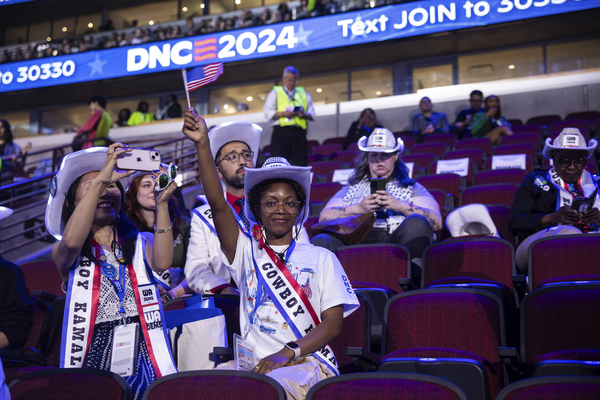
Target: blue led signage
(357,27)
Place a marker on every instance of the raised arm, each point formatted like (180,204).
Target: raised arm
(195,128)
(79,226)
(159,250)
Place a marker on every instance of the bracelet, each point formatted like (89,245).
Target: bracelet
(163,230)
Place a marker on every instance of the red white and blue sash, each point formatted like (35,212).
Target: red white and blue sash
(82,306)
(565,198)
(289,298)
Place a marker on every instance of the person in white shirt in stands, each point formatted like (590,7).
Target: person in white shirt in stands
(234,146)
(294,295)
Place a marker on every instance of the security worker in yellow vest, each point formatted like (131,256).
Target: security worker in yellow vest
(288,108)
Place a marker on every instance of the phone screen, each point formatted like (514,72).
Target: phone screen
(377,184)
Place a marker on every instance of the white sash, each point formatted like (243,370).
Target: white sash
(82,306)
(565,198)
(290,300)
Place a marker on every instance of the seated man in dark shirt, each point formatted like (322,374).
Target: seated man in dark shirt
(428,122)
(542,205)
(464,118)
(16,307)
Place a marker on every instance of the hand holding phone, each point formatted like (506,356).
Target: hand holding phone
(298,109)
(139,160)
(377,184)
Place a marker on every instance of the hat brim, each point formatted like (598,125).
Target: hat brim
(236,131)
(73,166)
(549,148)
(5,212)
(460,219)
(362,145)
(254,176)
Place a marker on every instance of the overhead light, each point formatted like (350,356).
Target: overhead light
(238,2)
(249,98)
(202,5)
(90,25)
(64,29)
(378,93)
(150,22)
(55,52)
(48,39)
(319,90)
(372,3)
(225,107)
(184,9)
(511,66)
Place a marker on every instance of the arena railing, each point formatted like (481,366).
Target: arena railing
(29,197)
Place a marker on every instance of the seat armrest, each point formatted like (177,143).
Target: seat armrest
(520,285)
(513,363)
(363,359)
(406,284)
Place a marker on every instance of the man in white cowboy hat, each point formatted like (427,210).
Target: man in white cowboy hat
(407,213)
(16,307)
(542,205)
(294,295)
(234,147)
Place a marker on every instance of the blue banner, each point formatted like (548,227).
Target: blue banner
(9,2)
(357,27)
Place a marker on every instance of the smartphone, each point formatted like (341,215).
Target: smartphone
(139,160)
(377,184)
(298,108)
(582,205)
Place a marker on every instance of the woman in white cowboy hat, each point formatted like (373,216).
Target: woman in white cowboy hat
(140,208)
(113,317)
(407,213)
(545,197)
(294,296)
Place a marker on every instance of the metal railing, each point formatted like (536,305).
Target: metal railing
(26,195)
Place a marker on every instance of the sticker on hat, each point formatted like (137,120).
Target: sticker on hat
(381,141)
(569,139)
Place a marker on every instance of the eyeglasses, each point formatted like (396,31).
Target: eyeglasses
(234,156)
(289,206)
(165,178)
(566,163)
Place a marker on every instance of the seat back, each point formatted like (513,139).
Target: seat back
(474,154)
(408,140)
(446,138)
(356,332)
(559,317)
(337,140)
(385,385)
(70,383)
(544,120)
(588,116)
(436,148)
(310,145)
(570,123)
(552,388)
(470,171)
(320,193)
(450,183)
(484,144)
(500,214)
(321,169)
(514,175)
(310,221)
(379,264)
(215,384)
(499,193)
(465,260)
(462,319)
(42,276)
(563,258)
(529,128)
(445,201)
(345,157)
(531,138)
(327,149)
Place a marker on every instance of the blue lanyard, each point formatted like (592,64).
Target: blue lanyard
(108,270)
(260,288)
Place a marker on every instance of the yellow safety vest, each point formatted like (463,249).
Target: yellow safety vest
(284,101)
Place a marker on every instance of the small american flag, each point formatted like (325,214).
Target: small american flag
(201,76)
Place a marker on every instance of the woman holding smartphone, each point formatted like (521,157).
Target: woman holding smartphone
(140,207)
(113,318)
(406,213)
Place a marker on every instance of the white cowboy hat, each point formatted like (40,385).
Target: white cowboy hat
(236,131)
(381,141)
(277,167)
(73,166)
(5,212)
(569,139)
(472,219)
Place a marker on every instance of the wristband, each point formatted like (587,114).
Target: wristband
(163,230)
(295,347)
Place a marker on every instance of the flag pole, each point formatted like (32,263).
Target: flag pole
(187,93)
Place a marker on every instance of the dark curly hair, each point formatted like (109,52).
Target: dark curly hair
(255,195)
(122,226)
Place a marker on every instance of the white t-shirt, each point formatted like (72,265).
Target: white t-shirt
(318,272)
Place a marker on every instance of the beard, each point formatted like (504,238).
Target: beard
(234,180)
